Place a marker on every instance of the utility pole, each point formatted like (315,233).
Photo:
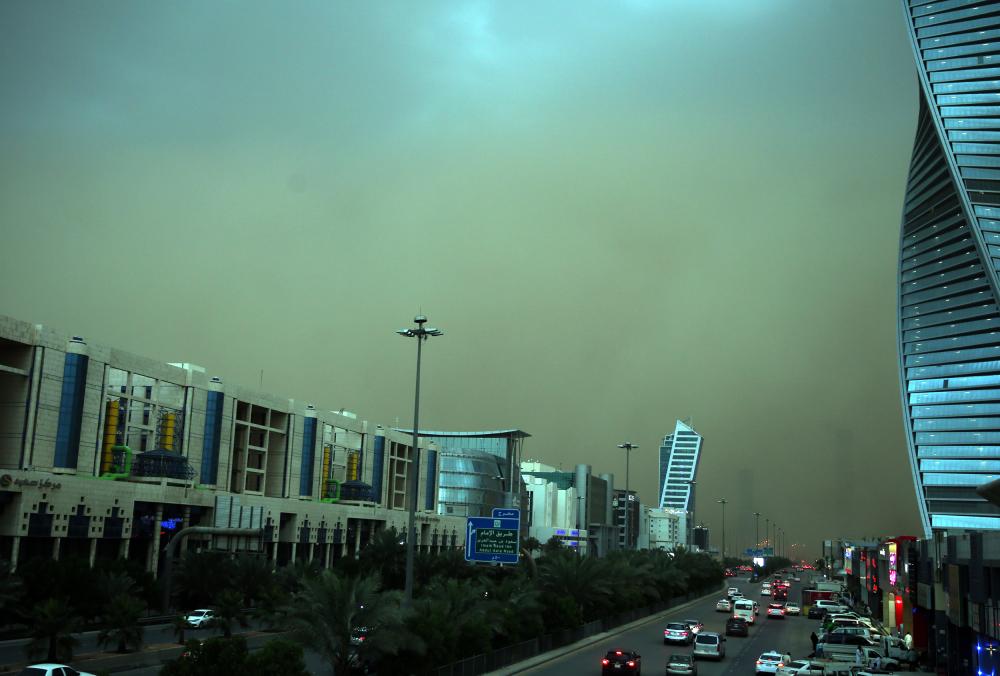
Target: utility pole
(628,446)
(723,502)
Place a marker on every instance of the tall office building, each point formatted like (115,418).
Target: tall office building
(678,463)
(949,324)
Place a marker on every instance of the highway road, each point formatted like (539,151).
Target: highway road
(790,635)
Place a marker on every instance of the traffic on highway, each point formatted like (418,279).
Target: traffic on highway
(750,628)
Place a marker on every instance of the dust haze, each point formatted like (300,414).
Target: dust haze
(620,214)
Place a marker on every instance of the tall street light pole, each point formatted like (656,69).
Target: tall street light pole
(767,531)
(628,446)
(723,502)
(690,528)
(756,530)
(421,333)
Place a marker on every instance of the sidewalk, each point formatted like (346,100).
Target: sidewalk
(533,662)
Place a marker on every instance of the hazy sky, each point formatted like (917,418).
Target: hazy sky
(621,213)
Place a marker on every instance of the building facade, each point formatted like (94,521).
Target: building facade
(478,470)
(949,345)
(574,507)
(679,454)
(663,529)
(106,454)
(627,506)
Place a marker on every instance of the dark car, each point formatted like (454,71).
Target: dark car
(816,613)
(737,626)
(621,662)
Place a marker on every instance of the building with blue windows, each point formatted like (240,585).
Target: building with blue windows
(105,454)
(949,321)
(679,455)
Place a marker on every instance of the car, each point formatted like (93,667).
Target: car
(200,618)
(678,632)
(801,668)
(359,635)
(50,669)
(775,610)
(816,612)
(737,626)
(831,607)
(732,590)
(681,664)
(709,644)
(724,606)
(621,662)
(771,661)
(745,608)
(736,597)
(792,609)
(694,625)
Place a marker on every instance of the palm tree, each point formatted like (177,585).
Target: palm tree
(52,625)
(11,586)
(520,611)
(229,609)
(385,554)
(252,575)
(584,580)
(122,619)
(455,618)
(330,607)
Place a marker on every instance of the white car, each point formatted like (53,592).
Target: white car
(775,610)
(771,661)
(724,606)
(792,609)
(801,668)
(200,618)
(765,589)
(49,669)
(732,591)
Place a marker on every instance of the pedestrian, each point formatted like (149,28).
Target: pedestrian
(877,662)
(815,639)
(858,656)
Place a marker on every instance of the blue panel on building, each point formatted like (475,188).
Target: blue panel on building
(431,479)
(308,447)
(378,457)
(71,410)
(213,436)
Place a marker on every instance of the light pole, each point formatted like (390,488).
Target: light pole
(690,528)
(628,446)
(767,531)
(723,502)
(421,334)
(756,530)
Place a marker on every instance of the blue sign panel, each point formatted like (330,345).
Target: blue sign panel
(492,540)
(767,551)
(500,513)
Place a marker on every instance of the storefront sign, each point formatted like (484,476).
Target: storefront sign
(6,481)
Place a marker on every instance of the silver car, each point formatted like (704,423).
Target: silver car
(709,644)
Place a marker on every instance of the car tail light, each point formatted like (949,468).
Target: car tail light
(780,665)
(618,652)
(631,663)
(758,662)
(605,661)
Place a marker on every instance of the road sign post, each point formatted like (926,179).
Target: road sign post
(493,540)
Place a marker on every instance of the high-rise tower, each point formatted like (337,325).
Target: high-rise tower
(949,324)
(678,462)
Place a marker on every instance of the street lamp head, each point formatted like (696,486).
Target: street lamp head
(405,332)
(628,445)
(420,319)
(433,332)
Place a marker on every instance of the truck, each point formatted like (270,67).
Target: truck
(845,653)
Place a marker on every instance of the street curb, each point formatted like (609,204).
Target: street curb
(537,660)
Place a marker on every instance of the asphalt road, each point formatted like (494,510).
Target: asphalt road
(790,635)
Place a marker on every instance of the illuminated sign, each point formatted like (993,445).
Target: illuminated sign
(892,564)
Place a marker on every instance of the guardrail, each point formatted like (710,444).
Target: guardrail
(503,657)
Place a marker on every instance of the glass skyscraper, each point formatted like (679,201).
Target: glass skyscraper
(949,323)
(678,462)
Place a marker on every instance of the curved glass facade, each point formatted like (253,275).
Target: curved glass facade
(949,324)
(469,484)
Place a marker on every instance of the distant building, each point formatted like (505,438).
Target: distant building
(631,509)
(679,455)
(663,529)
(701,538)
(575,507)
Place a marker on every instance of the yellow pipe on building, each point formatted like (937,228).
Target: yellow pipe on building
(327,451)
(167,426)
(352,466)
(110,434)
